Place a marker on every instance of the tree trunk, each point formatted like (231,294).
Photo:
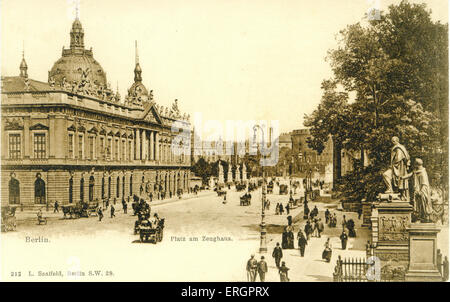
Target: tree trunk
(337,148)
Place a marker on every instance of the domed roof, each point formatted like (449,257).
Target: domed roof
(77,62)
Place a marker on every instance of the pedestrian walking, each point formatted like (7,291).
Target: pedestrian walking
(100,214)
(344,222)
(277,209)
(327,216)
(262,269)
(302,242)
(283,271)
(125,207)
(151,196)
(326,254)
(344,239)
(277,254)
(112,211)
(359,212)
(281,209)
(320,227)
(308,230)
(287,209)
(252,265)
(56,210)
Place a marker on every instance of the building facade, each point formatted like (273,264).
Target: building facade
(73,139)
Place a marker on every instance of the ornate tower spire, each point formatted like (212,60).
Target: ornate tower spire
(23,65)
(77,35)
(137,68)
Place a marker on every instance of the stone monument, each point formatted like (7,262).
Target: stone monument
(238,174)
(244,172)
(221,180)
(229,174)
(406,251)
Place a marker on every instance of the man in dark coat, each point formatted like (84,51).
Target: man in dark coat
(302,242)
(277,254)
(262,269)
(320,227)
(308,230)
(344,239)
(112,211)
(56,207)
(100,214)
(281,209)
(327,216)
(252,266)
(287,209)
(125,207)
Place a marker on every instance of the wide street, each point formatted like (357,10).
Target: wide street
(204,240)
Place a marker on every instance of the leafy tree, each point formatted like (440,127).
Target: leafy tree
(397,68)
(202,169)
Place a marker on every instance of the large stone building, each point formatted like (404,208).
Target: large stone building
(72,138)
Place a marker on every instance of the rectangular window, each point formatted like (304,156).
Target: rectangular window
(80,147)
(39,145)
(70,149)
(102,147)
(116,150)
(14,146)
(91,147)
(109,149)
(124,148)
(130,144)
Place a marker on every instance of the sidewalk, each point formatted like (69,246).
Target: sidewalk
(311,267)
(50,214)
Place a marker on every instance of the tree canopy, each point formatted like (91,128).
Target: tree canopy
(397,69)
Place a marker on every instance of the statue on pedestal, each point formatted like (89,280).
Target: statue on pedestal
(423,207)
(395,175)
(221,180)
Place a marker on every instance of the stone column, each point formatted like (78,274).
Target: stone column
(144,145)
(156,146)
(138,144)
(152,145)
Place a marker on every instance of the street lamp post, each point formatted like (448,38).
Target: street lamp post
(263,241)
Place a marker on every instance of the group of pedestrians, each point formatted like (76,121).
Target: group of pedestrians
(279,209)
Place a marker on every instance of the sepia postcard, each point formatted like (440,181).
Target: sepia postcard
(224,141)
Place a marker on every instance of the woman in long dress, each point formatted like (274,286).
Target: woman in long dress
(327,251)
(283,271)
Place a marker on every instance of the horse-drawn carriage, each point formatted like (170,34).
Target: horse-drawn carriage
(240,187)
(283,189)
(245,200)
(80,209)
(221,193)
(140,207)
(9,222)
(150,230)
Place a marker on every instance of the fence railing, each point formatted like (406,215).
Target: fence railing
(356,270)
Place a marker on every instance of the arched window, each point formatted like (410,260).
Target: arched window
(39,190)
(91,188)
(131,185)
(82,190)
(14,190)
(71,190)
(103,187)
(118,187)
(123,186)
(109,187)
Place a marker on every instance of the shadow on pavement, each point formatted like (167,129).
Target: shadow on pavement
(321,278)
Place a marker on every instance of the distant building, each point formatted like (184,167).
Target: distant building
(285,141)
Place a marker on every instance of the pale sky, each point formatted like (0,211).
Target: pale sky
(228,59)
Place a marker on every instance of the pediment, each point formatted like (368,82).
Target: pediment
(38,126)
(151,115)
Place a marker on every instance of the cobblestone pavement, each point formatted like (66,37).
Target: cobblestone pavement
(204,240)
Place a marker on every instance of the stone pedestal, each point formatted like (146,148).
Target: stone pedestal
(390,238)
(423,264)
